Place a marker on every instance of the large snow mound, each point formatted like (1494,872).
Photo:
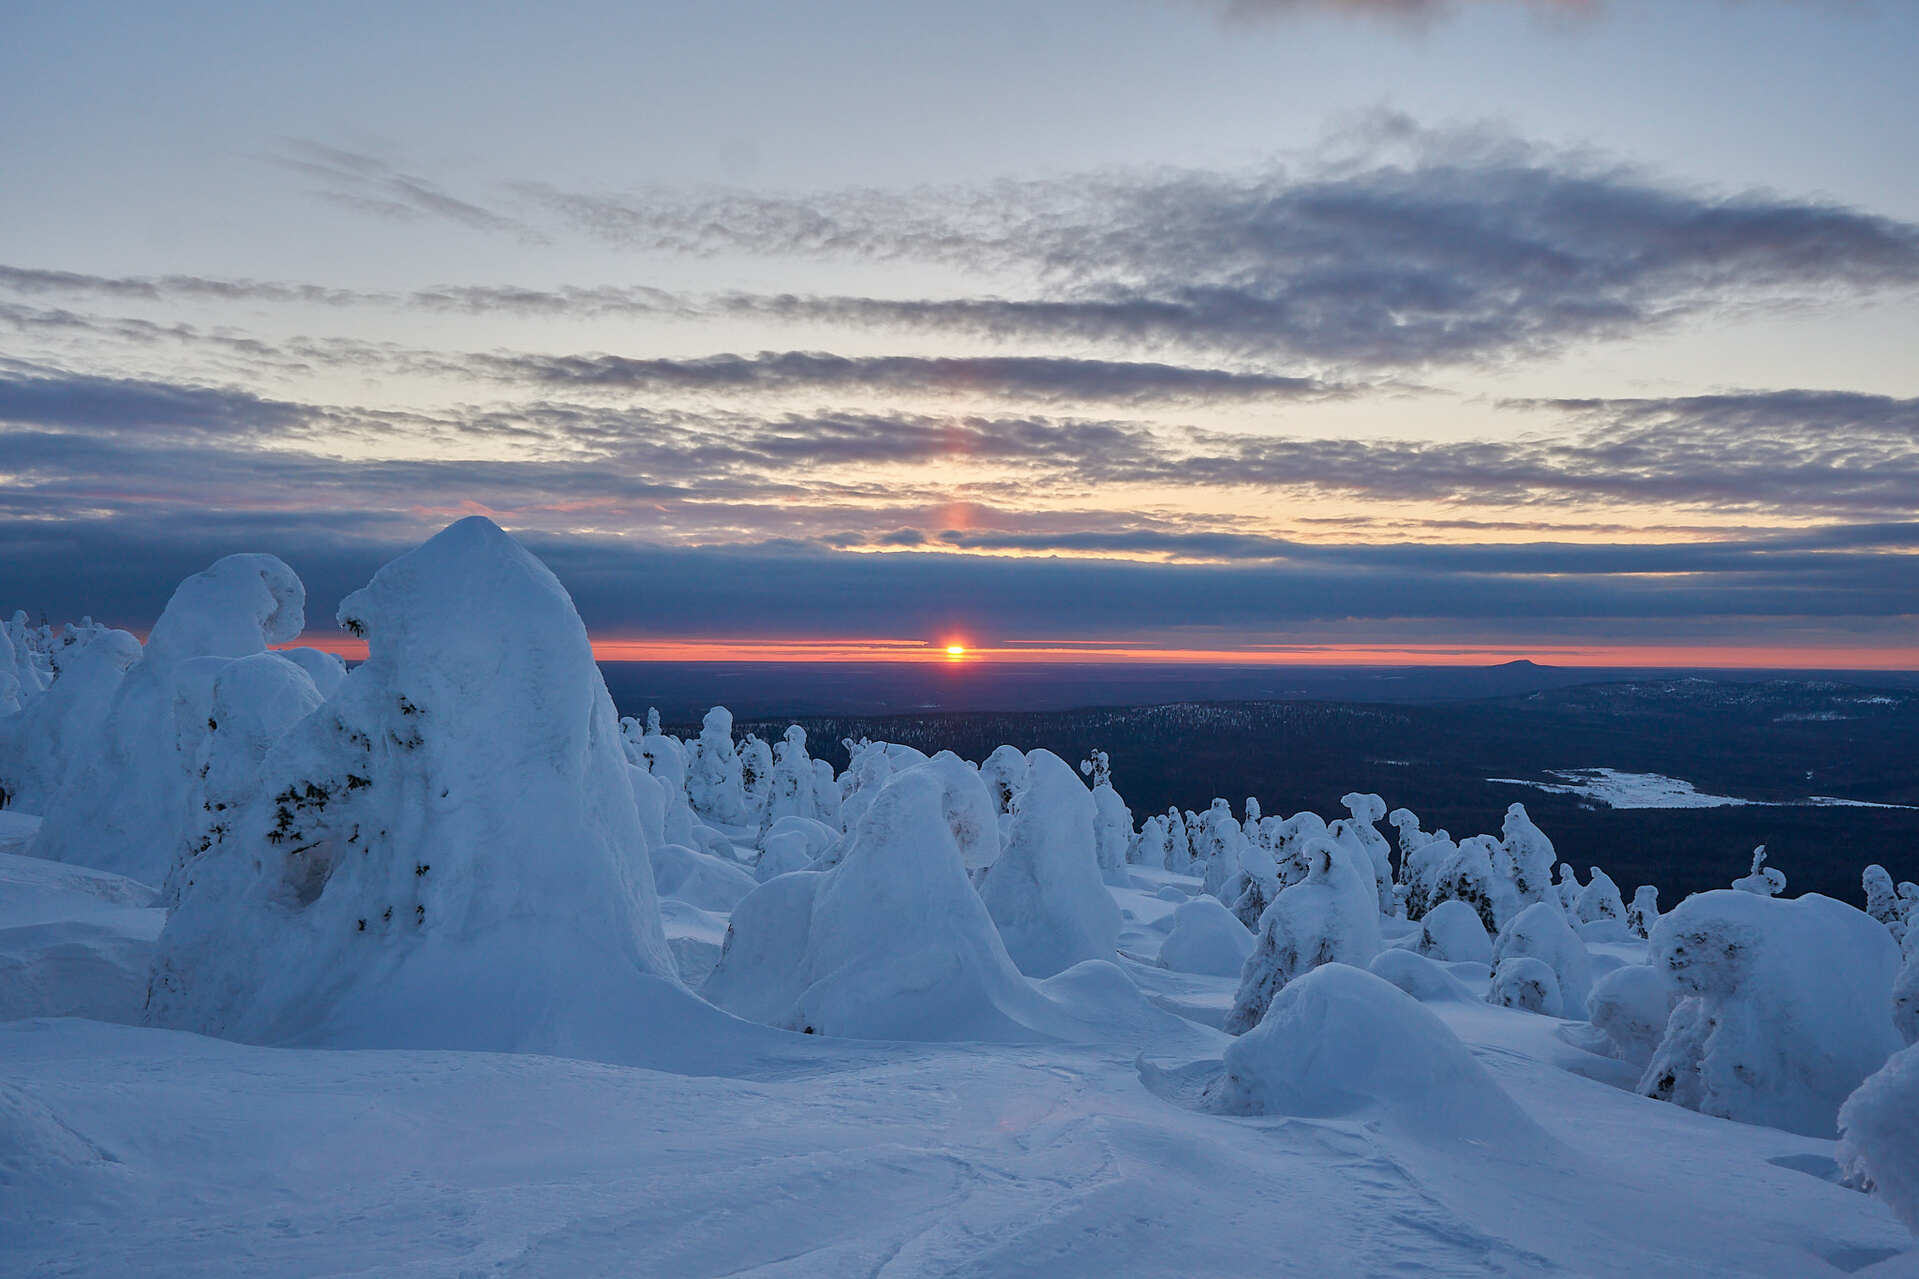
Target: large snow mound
(73,942)
(1207,939)
(1340,1042)
(1786,1006)
(446,853)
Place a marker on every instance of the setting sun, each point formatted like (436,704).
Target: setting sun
(956,650)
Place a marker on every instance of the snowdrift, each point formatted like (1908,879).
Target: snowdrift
(1341,1042)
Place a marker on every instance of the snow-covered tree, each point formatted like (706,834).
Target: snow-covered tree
(123,805)
(1112,822)
(790,788)
(1541,932)
(1879,1136)
(1179,843)
(1630,1006)
(444,854)
(1330,917)
(1644,911)
(1453,932)
(1366,810)
(1217,847)
(1045,892)
(1784,1007)
(713,781)
(756,777)
(1528,984)
(1767,881)
(1882,900)
(1599,899)
(1529,855)
(1567,889)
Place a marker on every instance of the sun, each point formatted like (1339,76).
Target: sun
(956,650)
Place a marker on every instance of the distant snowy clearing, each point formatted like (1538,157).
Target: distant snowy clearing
(1615,789)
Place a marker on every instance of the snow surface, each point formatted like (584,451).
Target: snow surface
(1616,789)
(456,862)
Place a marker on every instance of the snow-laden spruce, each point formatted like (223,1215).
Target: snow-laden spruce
(1630,1006)
(892,943)
(1786,1005)
(123,805)
(1112,820)
(1541,932)
(1045,892)
(62,723)
(1332,916)
(1452,932)
(446,853)
(1879,1136)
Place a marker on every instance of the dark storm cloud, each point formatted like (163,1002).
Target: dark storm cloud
(112,405)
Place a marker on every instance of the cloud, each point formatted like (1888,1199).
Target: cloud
(818,372)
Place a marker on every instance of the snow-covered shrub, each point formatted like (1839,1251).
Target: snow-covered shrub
(1464,872)
(1630,1006)
(1644,911)
(1528,984)
(1454,933)
(1599,899)
(446,853)
(713,781)
(1882,900)
(1206,939)
(1330,917)
(1045,892)
(1541,931)
(1879,1136)
(893,943)
(1785,1006)
(1343,1042)
(123,805)
(1766,881)
(826,795)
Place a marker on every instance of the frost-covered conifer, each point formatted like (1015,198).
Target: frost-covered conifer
(1466,874)
(1767,881)
(1905,992)
(713,781)
(1879,1136)
(1882,900)
(1179,844)
(1541,931)
(1218,848)
(1644,911)
(444,854)
(790,789)
(1453,932)
(1367,809)
(1045,892)
(1599,900)
(1784,1007)
(1528,984)
(756,777)
(1112,822)
(1154,847)
(123,805)
(1331,916)
(63,722)
(1528,853)
(1566,890)
(1630,1006)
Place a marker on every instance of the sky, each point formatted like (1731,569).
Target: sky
(1265,330)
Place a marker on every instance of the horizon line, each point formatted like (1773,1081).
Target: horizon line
(1576,656)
